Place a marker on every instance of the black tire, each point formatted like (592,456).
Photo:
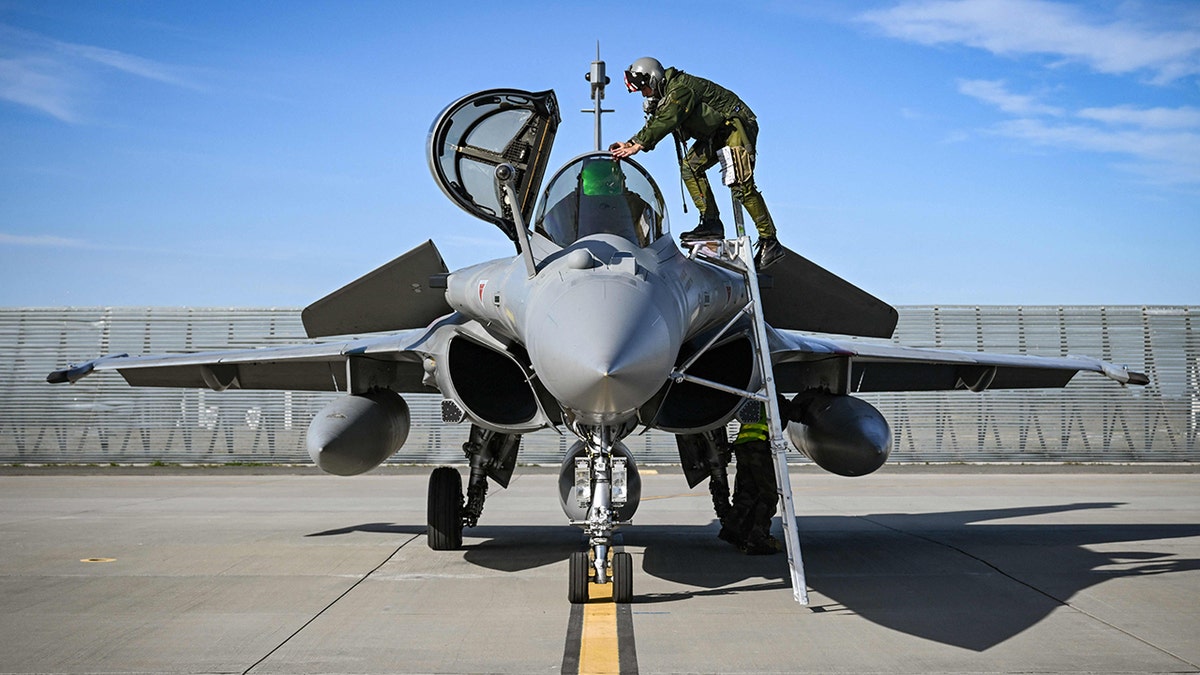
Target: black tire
(581,574)
(444,514)
(622,578)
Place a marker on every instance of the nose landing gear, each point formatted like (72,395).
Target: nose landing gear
(600,565)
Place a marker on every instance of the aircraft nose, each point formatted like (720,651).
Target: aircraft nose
(602,348)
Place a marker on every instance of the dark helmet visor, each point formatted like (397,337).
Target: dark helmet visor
(634,81)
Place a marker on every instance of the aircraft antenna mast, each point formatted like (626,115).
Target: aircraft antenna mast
(598,79)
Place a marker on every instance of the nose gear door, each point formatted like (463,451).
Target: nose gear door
(479,132)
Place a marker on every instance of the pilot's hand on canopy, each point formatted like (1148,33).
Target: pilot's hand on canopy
(621,150)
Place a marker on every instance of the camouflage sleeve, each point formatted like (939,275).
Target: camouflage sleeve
(667,118)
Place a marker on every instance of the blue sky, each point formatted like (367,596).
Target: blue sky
(266,153)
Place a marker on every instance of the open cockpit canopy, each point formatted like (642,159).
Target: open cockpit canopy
(597,194)
(476,134)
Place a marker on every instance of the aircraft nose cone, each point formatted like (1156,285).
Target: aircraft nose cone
(602,348)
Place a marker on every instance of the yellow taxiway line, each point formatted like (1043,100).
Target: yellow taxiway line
(599,646)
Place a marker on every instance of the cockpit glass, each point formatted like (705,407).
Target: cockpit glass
(595,194)
(492,134)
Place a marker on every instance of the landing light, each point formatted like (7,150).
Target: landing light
(620,481)
(583,481)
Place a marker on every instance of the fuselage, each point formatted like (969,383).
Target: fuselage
(603,319)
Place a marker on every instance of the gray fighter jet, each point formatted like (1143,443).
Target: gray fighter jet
(598,327)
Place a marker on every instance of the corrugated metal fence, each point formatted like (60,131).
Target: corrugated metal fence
(101,420)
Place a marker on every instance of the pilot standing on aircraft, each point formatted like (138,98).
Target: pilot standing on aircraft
(747,523)
(725,130)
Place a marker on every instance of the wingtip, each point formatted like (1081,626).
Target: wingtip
(77,372)
(72,374)
(1122,374)
(58,376)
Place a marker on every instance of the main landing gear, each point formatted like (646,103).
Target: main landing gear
(492,455)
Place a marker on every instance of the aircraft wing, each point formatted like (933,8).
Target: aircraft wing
(877,367)
(393,360)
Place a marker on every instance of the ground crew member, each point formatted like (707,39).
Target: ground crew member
(725,131)
(747,524)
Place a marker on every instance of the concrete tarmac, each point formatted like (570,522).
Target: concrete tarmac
(935,571)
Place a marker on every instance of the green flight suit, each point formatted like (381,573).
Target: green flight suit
(716,118)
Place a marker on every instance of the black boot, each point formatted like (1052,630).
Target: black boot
(709,228)
(759,543)
(769,250)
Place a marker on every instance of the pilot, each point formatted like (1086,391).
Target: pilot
(747,523)
(725,130)
(604,204)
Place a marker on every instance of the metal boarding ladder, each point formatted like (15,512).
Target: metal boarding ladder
(737,255)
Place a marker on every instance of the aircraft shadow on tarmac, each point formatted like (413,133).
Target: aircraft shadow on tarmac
(958,579)
(954,577)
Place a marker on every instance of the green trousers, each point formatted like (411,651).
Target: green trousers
(703,155)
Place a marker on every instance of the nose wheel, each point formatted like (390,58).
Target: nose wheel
(622,577)
(581,577)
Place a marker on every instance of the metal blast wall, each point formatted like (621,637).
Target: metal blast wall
(102,420)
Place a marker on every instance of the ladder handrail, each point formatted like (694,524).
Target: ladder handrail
(738,256)
(779,444)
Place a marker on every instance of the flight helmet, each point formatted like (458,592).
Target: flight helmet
(602,177)
(646,71)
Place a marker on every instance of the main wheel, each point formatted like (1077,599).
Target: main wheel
(622,577)
(581,574)
(444,514)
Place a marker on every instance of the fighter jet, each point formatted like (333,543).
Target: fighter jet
(599,326)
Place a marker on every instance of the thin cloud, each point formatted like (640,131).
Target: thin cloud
(956,136)
(39,84)
(1062,32)
(8,239)
(55,77)
(995,93)
(1150,118)
(1163,143)
(1160,143)
(127,63)
(41,240)
(1169,157)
